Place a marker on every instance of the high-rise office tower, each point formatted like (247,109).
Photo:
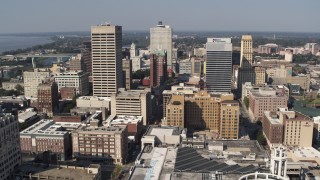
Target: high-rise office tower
(106,44)
(219,64)
(86,57)
(161,39)
(246,72)
(246,56)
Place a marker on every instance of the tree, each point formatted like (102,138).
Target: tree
(261,139)
(19,88)
(246,101)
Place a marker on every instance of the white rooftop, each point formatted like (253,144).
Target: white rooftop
(88,98)
(123,119)
(44,127)
(26,115)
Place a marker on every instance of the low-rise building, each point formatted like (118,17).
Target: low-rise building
(45,135)
(67,92)
(12,84)
(302,79)
(13,101)
(162,136)
(94,102)
(267,98)
(92,172)
(28,117)
(132,103)
(74,79)
(94,142)
(133,123)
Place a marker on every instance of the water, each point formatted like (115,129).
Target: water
(21,41)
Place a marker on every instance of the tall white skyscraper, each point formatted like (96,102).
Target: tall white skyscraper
(219,64)
(161,39)
(106,59)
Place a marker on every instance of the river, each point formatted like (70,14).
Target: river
(21,41)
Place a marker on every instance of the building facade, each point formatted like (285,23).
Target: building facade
(132,103)
(74,79)
(219,64)
(272,128)
(101,143)
(161,39)
(127,73)
(245,72)
(45,135)
(32,80)
(158,68)
(229,122)
(10,152)
(48,97)
(175,111)
(76,63)
(106,59)
(86,57)
(289,128)
(185,66)
(267,98)
(12,84)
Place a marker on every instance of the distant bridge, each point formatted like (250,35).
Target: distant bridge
(24,56)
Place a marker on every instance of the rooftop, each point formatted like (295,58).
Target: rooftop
(163,130)
(64,172)
(44,127)
(101,129)
(123,119)
(91,98)
(26,115)
(272,117)
(154,163)
(189,160)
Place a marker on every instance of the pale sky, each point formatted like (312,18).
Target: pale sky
(19,16)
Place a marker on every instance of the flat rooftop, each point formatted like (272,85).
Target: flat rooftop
(26,115)
(163,130)
(72,172)
(306,152)
(44,127)
(101,129)
(91,98)
(189,160)
(157,163)
(122,119)
(272,117)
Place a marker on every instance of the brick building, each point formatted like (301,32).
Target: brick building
(158,68)
(48,97)
(267,98)
(102,142)
(45,135)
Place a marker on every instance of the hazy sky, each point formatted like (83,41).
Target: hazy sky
(209,15)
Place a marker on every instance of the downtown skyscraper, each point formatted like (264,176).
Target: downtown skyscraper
(248,71)
(219,64)
(161,39)
(106,47)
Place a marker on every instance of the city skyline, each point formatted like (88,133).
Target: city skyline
(247,15)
